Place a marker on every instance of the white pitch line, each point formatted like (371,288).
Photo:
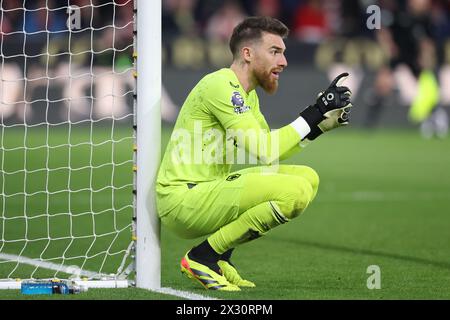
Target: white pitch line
(183,294)
(91,274)
(52,266)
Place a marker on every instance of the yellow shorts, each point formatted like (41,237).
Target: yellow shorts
(204,208)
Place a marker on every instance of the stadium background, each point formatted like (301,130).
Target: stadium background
(384,197)
(326,37)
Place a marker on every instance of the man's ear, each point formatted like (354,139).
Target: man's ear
(247,54)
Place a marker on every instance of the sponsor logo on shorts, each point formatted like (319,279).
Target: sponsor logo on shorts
(233,177)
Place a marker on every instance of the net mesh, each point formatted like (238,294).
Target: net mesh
(66,156)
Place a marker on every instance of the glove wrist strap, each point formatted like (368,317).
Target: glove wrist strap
(315,132)
(313,117)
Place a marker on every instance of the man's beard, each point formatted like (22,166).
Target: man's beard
(266,81)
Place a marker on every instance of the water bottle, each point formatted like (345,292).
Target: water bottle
(49,287)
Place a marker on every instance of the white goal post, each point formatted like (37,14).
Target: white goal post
(148,259)
(80,131)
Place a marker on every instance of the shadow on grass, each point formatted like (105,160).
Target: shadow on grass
(332,247)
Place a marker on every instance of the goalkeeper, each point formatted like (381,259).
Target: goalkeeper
(198,197)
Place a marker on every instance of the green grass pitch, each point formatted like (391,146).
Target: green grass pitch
(384,200)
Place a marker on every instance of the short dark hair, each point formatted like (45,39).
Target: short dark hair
(252,28)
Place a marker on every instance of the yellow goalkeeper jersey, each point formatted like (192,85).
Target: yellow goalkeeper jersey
(212,120)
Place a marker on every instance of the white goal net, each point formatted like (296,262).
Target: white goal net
(67,94)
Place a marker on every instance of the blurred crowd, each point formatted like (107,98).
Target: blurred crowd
(308,20)
(33,24)
(73,58)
